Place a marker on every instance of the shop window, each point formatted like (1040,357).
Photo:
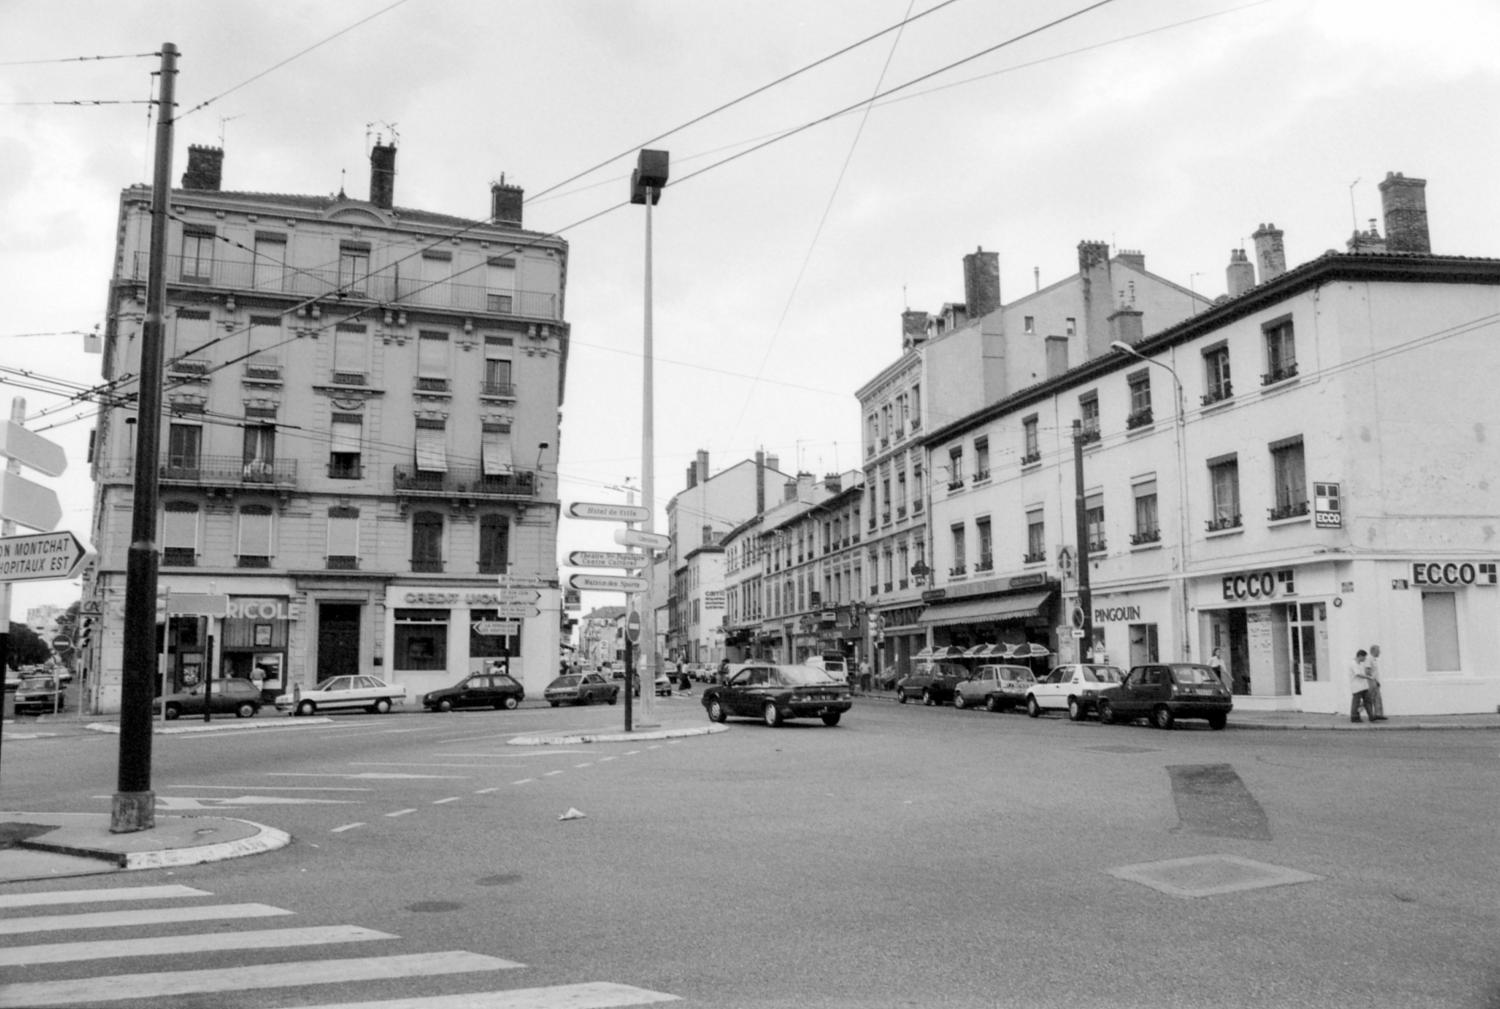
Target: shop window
(491,646)
(1440,631)
(1308,638)
(1145,645)
(421,640)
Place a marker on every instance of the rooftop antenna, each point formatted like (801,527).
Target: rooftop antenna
(390,127)
(222,121)
(905,301)
(1353,215)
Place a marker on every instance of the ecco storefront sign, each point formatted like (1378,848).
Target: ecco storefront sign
(1259,585)
(1453,573)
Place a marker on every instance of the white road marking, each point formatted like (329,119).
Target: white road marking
(451,798)
(605,760)
(129,919)
(171,802)
(368,775)
(407,763)
(514,756)
(347,826)
(487,791)
(551,773)
(282,975)
(590,995)
(269,938)
(589,764)
(55,897)
(523,781)
(401,812)
(290,788)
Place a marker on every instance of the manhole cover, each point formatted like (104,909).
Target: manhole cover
(1206,875)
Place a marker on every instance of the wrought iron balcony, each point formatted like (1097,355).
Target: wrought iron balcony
(213,471)
(465,481)
(1294,509)
(1145,536)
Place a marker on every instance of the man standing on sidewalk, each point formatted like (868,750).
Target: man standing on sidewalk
(1359,684)
(1377,703)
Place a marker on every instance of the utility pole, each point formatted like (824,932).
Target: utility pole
(134,803)
(1081,530)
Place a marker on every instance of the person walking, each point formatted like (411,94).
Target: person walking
(1359,684)
(1216,663)
(864,676)
(1377,703)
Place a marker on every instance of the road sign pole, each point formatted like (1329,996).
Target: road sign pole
(7,528)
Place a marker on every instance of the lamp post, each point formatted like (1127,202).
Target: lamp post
(1178,426)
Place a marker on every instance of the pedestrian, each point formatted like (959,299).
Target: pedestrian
(1377,703)
(1359,685)
(723,676)
(1216,663)
(864,675)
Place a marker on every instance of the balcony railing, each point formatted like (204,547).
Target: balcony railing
(498,390)
(465,481)
(1034,557)
(1097,546)
(956,484)
(383,286)
(1145,536)
(427,565)
(252,561)
(343,562)
(179,557)
(1140,418)
(958,569)
(986,563)
(1288,511)
(1279,374)
(1218,394)
(213,471)
(1223,522)
(1088,434)
(1031,457)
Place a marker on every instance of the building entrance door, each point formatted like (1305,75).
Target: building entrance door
(338,639)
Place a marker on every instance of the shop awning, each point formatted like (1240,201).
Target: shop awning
(979,611)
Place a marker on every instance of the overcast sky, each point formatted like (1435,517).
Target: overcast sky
(1174,127)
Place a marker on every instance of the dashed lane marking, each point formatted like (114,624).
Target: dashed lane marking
(400,812)
(589,995)
(347,826)
(451,798)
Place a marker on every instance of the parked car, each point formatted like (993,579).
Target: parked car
(479,690)
(933,682)
(40,695)
(664,684)
(581,688)
(236,696)
(775,693)
(1073,687)
(344,693)
(997,687)
(1165,692)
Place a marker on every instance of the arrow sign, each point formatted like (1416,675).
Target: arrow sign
(514,611)
(639,538)
(28,504)
(599,559)
(496,628)
(608,583)
(509,595)
(45,555)
(609,512)
(30,449)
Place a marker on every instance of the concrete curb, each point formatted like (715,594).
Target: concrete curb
(614,737)
(238,725)
(262,839)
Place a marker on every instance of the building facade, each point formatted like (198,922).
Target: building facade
(359,437)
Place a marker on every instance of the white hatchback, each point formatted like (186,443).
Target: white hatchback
(344,693)
(1073,688)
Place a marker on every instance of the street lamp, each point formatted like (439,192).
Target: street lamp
(1178,426)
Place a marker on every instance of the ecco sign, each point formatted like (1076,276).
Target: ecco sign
(1257,584)
(1453,573)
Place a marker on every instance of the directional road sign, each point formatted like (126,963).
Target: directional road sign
(608,583)
(30,449)
(44,555)
(514,611)
(506,594)
(600,559)
(638,538)
(609,512)
(28,504)
(496,628)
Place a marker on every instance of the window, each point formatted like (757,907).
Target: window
(254,550)
(500,285)
(494,449)
(264,345)
(903,411)
(872,426)
(916,480)
(986,545)
(349,348)
(981,458)
(885,499)
(421,640)
(903,563)
(344,447)
(432,448)
(1071,326)
(1031,450)
(432,361)
(1140,399)
(955,467)
(1036,536)
(184,446)
(179,534)
(494,544)
(354,268)
(1088,414)
(1093,510)
(343,537)
(268,272)
(427,542)
(197,255)
(1291,479)
(497,374)
(1224,487)
(1281,351)
(960,551)
(1030,324)
(1147,526)
(1440,631)
(1216,374)
(260,453)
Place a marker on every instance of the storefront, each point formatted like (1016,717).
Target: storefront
(436,635)
(1132,627)
(254,637)
(1010,611)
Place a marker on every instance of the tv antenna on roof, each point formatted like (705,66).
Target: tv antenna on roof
(391,127)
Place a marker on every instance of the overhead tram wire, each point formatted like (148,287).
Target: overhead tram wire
(79,59)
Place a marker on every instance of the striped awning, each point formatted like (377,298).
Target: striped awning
(994,609)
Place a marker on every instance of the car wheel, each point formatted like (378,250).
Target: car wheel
(553,703)
(306,708)
(992,703)
(245,710)
(900,697)
(1162,717)
(1075,710)
(1032,707)
(831,718)
(771,714)
(445,705)
(1217,721)
(383,706)
(509,704)
(173,711)
(612,698)
(958,701)
(927,697)
(1106,712)
(716,712)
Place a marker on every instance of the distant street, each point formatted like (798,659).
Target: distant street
(909,857)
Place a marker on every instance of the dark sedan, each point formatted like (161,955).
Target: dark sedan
(933,682)
(585,688)
(481,690)
(238,697)
(775,693)
(1165,692)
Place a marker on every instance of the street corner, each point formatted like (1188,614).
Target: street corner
(171,841)
(178,727)
(636,736)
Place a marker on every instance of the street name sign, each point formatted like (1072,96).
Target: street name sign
(28,504)
(603,559)
(496,628)
(514,611)
(506,594)
(609,512)
(640,538)
(608,583)
(44,555)
(30,449)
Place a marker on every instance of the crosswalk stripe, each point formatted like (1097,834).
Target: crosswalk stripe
(54,897)
(283,975)
(268,938)
(125,919)
(589,995)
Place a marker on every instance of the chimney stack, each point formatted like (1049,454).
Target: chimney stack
(760,481)
(1098,297)
(383,175)
(1240,275)
(702,464)
(981,283)
(1270,255)
(205,168)
(913,328)
(1125,325)
(505,203)
(1404,202)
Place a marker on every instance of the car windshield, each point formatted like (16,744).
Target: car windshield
(36,682)
(566,681)
(804,676)
(1183,673)
(1103,674)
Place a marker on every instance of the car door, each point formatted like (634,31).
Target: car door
(738,692)
(481,691)
(1144,686)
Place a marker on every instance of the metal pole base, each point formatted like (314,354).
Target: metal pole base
(132,811)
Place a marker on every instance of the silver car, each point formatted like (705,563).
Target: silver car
(1073,687)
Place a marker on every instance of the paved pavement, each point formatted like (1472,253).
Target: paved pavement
(55,845)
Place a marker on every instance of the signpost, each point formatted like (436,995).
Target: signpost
(31,449)
(608,512)
(62,644)
(514,611)
(640,538)
(497,628)
(633,627)
(40,556)
(507,594)
(608,583)
(602,559)
(28,504)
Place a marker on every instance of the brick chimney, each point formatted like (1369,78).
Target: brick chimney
(205,168)
(1270,255)
(1098,297)
(1125,325)
(383,175)
(1404,202)
(981,283)
(505,203)
(1240,274)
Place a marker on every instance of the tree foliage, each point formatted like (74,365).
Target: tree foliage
(26,647)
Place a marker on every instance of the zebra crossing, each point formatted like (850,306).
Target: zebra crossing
(29,922)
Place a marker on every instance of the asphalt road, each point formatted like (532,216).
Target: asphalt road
(909,857)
